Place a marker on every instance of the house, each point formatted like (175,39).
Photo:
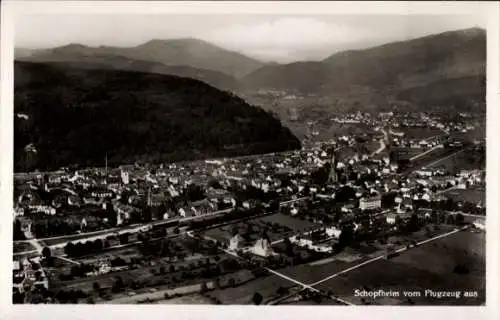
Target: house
(123,212)
(29,197)
(479,224)
(18,211)
(48,210)
(262,247)
(203,207)
(185,212)
(333,232)
(236,242)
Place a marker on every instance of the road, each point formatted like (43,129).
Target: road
(439,146)
(382,143)
(68,260)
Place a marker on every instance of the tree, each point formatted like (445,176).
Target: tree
(46,253)
(204,287)
(76,271)
(217,283)
(413,223)
(282,291)
(450,219)
(118,285)
(124,237)
(98,245)
(346,236)
(18,232)
(69,249)
(257,298)
(461,269)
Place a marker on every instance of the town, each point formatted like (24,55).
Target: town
(281,228)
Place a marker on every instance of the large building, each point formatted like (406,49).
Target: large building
(370,203)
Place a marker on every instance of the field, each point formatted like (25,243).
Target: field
(296,225)
(420,133)
(318,270)
(277,226)
(473,195)
(105,280)
(327,130)
(22,246)
(432,158)
(430,266)
(187,299)
(371,146)
(243,294)
(466,160)
(323,302)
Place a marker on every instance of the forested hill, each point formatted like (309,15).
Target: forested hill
(69,116)
(442,69)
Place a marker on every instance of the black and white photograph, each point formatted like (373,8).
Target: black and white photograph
(250,159)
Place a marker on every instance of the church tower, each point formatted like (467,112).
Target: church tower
(333,177)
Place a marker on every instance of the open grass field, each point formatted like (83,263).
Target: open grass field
(473,195)
(430,266)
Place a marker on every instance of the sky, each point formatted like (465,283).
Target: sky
(278,38)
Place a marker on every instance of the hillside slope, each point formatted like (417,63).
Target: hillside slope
(76,116)
(453,60)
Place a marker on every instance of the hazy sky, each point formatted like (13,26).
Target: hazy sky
(266,37)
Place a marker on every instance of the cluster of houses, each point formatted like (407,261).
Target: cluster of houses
(28,274)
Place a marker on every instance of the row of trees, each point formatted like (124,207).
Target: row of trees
(84,248)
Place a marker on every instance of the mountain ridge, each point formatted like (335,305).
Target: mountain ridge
(183,51)
(387,69)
